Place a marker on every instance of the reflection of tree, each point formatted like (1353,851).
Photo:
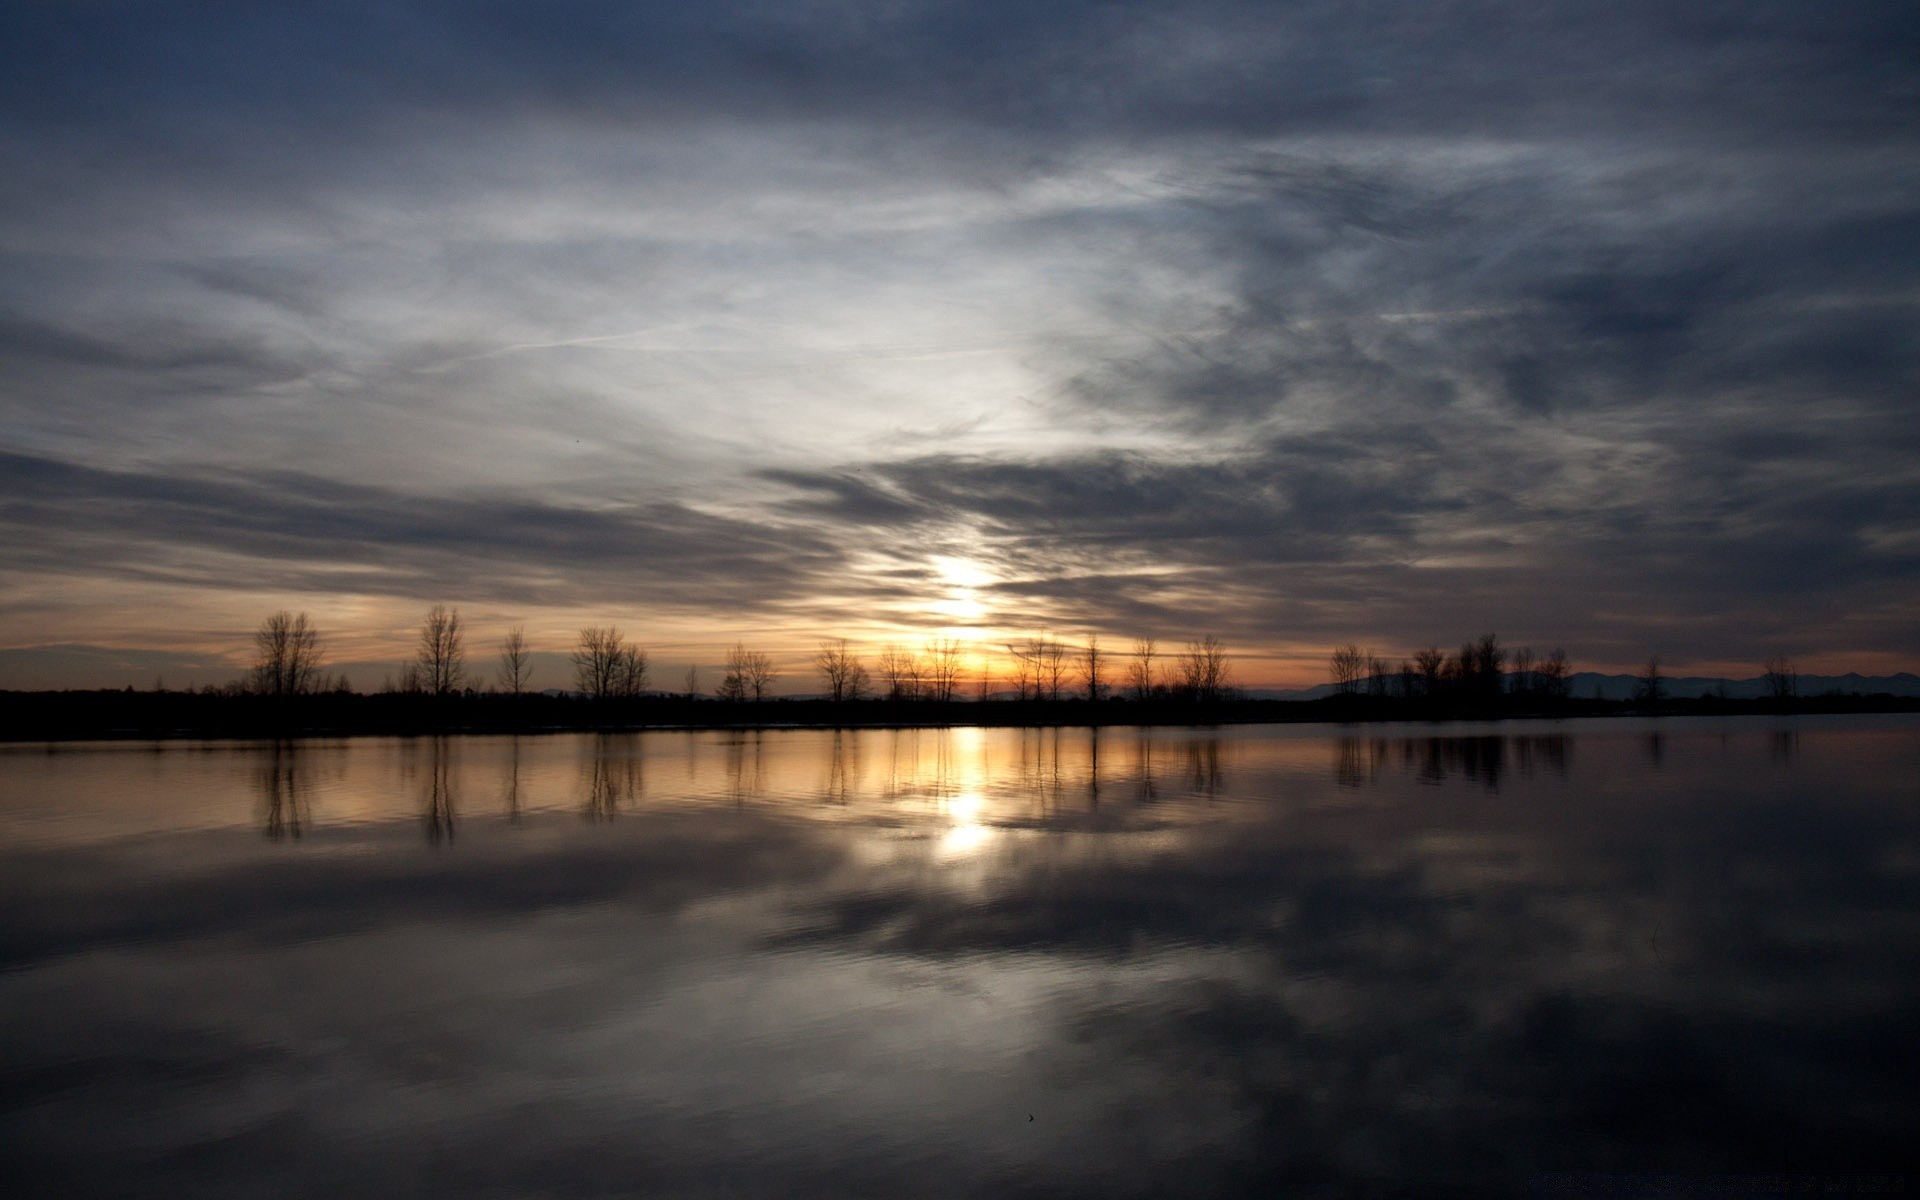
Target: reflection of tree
(282,792)
(513,781)
(1093,762)
(1040,766)
(1548,753)
(1784,747)
(1481,759)
(1485,760)
(1203,766)
(1358,760)
(1143,763)
(1656,749)
(843,766)
(744,765)
(438,817)
(616,776)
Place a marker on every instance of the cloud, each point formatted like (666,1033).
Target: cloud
(288,529)
(1603,305)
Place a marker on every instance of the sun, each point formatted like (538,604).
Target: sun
(960,577)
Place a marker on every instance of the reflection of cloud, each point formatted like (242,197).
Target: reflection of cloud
(1278,992)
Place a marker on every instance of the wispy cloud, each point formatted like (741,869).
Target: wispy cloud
(1325,312)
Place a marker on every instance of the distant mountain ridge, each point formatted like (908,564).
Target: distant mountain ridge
(1588,684)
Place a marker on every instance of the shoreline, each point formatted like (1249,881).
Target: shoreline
(55,717)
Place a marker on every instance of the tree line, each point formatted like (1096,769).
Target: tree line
(1478,671)
(289,659)
(1482,671)
(607,666)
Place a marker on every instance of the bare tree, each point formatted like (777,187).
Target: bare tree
(1431,663)
(1407,679)
(632,671)
(692,681)
(733,684)
(606,667)
(1348,663)
(749,673)
(1378,676)
(287,655)
(1524,680)
(898,672)
(1651,682)
(443,653)
(1782,680)
(515,668)
(1093,669)
(1553,675)
(1479,666)
(1026,668)
(942,669)
(1053,666)
(983,683)
(1140,669)
(1204,669)
(845,674)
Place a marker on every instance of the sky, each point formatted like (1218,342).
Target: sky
(1594,325)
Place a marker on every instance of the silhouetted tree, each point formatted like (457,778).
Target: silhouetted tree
(1478,667)
(287,655)
(1054,664)
(1347,664)
(1523,680)
(1408,679)
(1378,677)
(1431,663)
(749,673)
(634,666)
(515,668)
(1204,669)
(1093,668)
(899,672)
(1781,680)
(1553,676)
(1026,668)
(840,667)
(443,653)
(983,683)
(1651,682)
(606,667)
(1140,669)
(692,681)
(942,669)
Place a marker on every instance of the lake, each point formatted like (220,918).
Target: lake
(1577,958)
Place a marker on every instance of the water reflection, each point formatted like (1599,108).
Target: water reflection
(1143,764)
(1784,747)
(1093,768)
(1191,954)
(1483,759)
(512,786)
(746,765)
(284,804)
(437,792)
(1204,777)
(843,768)
(616,776)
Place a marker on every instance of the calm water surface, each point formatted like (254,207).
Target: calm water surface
(1290,961)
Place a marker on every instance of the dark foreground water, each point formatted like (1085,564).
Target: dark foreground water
(1589,958)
